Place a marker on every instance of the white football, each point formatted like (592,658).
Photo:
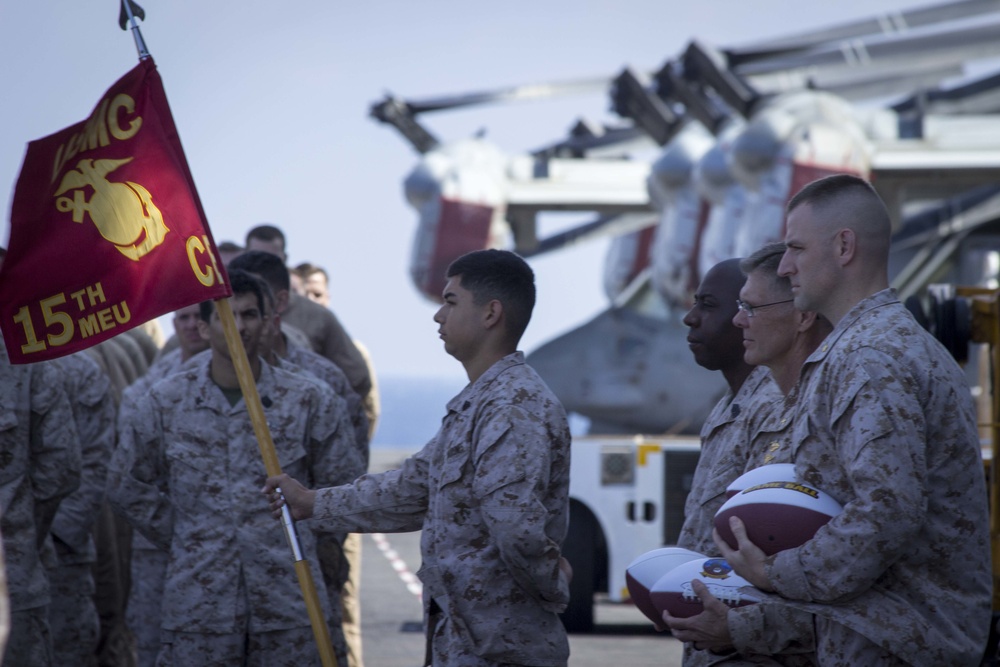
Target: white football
(647,569)
(773,472)
(777,515)
(674,593)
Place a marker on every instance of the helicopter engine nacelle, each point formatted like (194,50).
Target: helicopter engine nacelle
(627,258)
(791,142)
(674,255)
(459,193)
(729,201)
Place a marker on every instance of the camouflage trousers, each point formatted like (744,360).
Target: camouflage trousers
(73,619)
(284,648)
(350,601)
(30,642)
(149,569)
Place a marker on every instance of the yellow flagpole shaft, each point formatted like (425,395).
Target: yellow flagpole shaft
(252,399)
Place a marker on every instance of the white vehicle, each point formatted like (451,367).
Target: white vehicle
(627,497)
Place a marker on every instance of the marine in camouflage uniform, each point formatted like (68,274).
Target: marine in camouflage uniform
(149,562)
(778,337)
(885,424)
(717,344)
(73,614)
(724,456)
(489,491)
(187,473)
(39,466)
(889,430)
(333,558)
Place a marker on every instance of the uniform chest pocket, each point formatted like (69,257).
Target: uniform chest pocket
(453,465)
(720,479)
(292,457)
(192,473)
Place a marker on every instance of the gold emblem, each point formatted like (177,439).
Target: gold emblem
(124,213)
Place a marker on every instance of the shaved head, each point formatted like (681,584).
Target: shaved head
(837,236)
(846,201)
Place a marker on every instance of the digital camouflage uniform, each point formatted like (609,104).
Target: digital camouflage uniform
(769,633)
(743,433)
(4,603)
(333,557)
(339,555)
(723,456)
(39,466)
(73,615)
(886,425)
(188,473)
(149,562)
(327,371)
(490,493)
(328,339)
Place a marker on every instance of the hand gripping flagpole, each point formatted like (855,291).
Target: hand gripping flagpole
(252,399)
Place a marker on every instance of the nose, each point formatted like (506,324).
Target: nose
(439,316)
(741,320)
(690,319)
(785,265)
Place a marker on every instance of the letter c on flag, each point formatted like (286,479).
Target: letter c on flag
(205,276)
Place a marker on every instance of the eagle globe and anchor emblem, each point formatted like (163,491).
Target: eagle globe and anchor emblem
(124,213)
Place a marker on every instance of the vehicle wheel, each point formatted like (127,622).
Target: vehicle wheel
(579,549)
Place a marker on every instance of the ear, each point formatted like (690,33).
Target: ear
(847,246)
(203,330)
(806,320)
(281,299)
(492,314)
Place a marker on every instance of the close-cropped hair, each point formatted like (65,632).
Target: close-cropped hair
(824,191)
(501,275)
(766,261)
(242,283)
(266,233)
(264,264)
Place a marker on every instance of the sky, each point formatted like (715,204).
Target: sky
(271,101)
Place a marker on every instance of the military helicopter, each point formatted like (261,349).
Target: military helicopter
(709,149)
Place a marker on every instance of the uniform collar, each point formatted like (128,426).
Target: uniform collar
(886,297)
(463,401)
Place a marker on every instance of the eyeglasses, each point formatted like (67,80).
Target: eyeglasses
(748,309)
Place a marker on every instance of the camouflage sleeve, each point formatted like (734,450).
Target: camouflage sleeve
(138,476)
(511,480)
(340,349)
(335,457)
(55,446)
(771,629)
(95,422)
(883,456)
(391,502)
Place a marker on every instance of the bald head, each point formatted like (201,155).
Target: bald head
(727,273)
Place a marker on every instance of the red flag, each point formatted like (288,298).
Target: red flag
(107,231)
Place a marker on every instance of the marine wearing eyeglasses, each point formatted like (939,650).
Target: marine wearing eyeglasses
(745,307)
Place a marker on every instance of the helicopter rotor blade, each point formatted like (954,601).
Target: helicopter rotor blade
(936,49)
(889,23)
(512,94)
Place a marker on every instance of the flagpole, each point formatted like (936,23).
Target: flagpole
(252,399)
(140,45)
